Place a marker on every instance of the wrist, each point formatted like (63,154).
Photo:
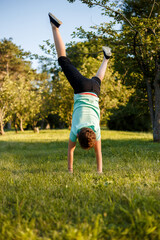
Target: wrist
(70,170)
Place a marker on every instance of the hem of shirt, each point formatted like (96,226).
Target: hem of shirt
(87,93)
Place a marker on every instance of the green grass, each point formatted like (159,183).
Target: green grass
(39,199)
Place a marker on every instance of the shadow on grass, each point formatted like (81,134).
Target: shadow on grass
(60,147)
(56,151)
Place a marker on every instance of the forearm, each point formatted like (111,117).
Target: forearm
(98,153)
(71,148)
(99,162)
(70,161)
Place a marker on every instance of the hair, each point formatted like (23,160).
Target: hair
(86,138)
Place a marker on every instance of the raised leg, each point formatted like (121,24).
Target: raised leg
(101,71)
(59,44)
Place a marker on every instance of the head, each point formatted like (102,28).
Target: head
(86,138)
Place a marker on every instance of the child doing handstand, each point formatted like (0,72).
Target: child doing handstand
(86,112)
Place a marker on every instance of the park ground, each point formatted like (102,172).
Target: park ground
(39,199)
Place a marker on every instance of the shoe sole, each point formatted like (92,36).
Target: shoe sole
(54,20)
(107,52)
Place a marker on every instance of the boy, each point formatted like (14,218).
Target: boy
(86,113)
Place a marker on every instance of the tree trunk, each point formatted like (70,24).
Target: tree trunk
(156,128)
(1,128)
(1,123)
(21,125)
(150,100)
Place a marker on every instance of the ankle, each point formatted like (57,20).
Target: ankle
(105,59)
(54,27)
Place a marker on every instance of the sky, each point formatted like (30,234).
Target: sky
(27,22)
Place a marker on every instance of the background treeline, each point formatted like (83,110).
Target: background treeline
(35,99)
(29,98)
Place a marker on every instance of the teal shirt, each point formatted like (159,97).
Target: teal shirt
(86,113)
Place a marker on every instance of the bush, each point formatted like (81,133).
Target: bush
(130,118)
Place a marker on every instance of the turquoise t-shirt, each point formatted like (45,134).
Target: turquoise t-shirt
(86,113)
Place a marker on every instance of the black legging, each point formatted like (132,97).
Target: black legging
(78,82)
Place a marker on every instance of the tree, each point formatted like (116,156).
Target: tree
(138,43)
(20,94)
(27,100)
(11,64)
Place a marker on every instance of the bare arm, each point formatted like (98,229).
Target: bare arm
(98,153)
(71,148)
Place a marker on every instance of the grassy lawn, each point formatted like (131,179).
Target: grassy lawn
(39,199)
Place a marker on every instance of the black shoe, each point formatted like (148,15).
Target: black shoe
(54,20)
(107,52)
